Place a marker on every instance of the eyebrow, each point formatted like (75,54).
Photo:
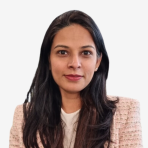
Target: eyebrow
(61,46)
(88,46)
(83,47)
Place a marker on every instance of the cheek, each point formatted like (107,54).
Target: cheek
(56,68)
(89,71)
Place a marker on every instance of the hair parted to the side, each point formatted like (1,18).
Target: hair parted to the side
(42,113)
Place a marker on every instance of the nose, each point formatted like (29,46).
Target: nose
(74,62)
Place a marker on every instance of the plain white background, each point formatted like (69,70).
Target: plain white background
(124,27)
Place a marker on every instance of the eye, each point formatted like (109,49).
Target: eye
(62,52)
(86,52)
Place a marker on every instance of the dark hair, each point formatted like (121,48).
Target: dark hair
(42,113)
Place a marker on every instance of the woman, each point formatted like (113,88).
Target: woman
(68,105)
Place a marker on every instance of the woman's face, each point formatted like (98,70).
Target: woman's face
(73,58)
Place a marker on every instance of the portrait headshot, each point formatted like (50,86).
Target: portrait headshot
(77,77)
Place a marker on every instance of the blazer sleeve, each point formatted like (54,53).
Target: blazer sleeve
(14,138)
(130,134)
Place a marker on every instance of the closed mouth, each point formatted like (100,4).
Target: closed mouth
(74,75)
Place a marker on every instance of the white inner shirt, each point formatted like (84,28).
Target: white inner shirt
(69,127)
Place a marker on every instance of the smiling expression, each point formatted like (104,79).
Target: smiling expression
(73,58)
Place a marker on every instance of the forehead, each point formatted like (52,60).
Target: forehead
(73,35)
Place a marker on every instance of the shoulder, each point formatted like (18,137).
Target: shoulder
(124,102)
(18,113)
(127,111)
(18,116)
(15,138)
(19,109)
(126,122)
(126,107)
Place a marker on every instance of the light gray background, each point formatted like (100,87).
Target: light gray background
(123,24)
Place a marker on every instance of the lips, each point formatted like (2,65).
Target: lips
(73,77)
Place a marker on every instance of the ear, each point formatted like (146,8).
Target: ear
(98,62)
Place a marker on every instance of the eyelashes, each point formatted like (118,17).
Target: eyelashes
(64,52)
(87,52)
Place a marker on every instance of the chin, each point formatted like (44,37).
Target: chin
(73,90)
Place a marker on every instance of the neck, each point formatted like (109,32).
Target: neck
(71,102)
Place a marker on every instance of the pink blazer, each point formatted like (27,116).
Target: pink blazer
(125,130)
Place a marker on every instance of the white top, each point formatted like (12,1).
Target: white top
(69,127)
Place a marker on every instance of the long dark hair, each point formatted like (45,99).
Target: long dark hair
(42,113)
